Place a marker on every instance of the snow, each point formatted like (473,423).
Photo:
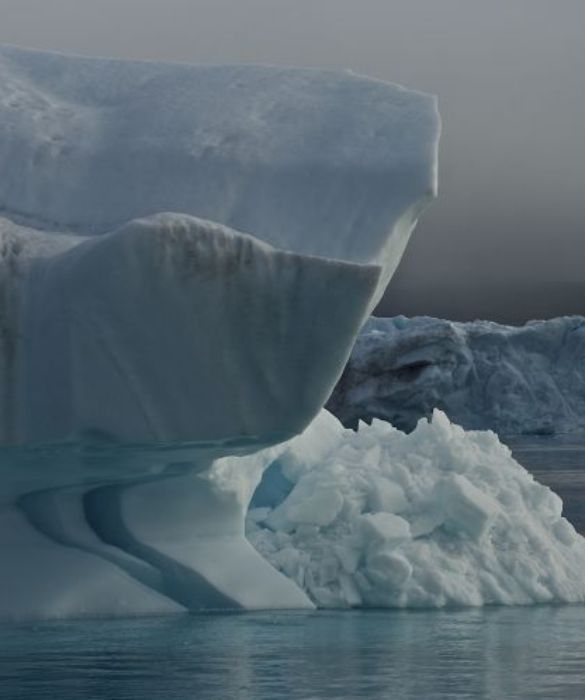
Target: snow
(458,522)
(189,251)
(525,379)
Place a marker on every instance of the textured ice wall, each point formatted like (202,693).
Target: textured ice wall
(292,195)
(526,379)
(435,518)
(186,256)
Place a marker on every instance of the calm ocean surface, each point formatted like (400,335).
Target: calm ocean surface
(499,653)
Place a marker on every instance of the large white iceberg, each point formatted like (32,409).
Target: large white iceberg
(187,255)
(511,379)
(292,196)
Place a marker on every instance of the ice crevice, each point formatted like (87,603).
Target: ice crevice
(180,583)
(47,512)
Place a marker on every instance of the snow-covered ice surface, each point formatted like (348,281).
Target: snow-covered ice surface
(433,518)
(526,379)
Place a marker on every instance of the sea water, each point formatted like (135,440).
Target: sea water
(559,462)
(499,653)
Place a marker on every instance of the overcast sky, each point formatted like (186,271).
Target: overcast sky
(506,239)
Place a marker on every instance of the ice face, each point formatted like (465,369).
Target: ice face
(291,195)
(482,374)
(187,255)
(173,328)
(435,518)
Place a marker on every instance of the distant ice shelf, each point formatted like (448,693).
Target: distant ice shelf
(511,379)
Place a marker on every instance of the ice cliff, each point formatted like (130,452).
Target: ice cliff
(187,253)
(525,379)
(292,195)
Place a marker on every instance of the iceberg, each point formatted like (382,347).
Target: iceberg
(239,204)
(188,253)
(483,375)
(438,517)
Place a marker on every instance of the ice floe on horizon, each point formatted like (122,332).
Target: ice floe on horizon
(512,379)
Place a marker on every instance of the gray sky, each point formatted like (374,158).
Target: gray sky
(506,239)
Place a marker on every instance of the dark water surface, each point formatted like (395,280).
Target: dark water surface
(499,653)
(495,653)
(558,462)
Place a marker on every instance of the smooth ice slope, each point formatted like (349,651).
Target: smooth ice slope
(291,193)
(183,329)
(435,518)
(526,379)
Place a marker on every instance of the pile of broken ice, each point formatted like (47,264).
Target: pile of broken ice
(188,254)
(437,517)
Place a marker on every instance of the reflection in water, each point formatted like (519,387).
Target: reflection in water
(495,653)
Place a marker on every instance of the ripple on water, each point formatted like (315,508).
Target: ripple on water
(533,652)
